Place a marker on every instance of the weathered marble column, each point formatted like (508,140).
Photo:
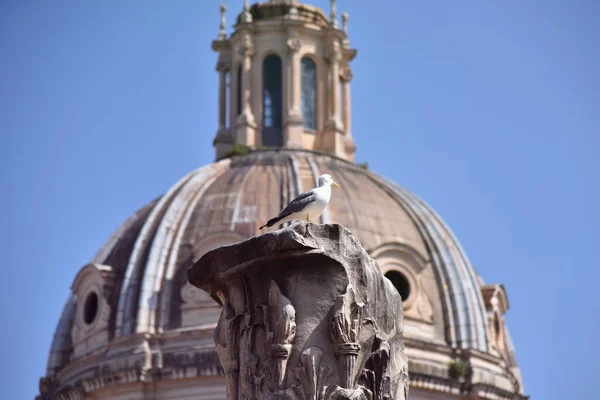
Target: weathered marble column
(346,79)
(333,135)
(307,314)
(333,57)
(223,139)
(245,124)
(293,120)
(223,70)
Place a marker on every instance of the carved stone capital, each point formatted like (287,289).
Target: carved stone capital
(334,53)
(294,44)
(246,47)
(223,65)
(307,315)
(347,75)
(246,50)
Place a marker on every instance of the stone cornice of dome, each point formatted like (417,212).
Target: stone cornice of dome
(429,346)
(72,379)
(178,365)
(275,11)
(434,383)
(461,353)
(86,386)
(298,151)
(174,367)
(487,391)
(427,372)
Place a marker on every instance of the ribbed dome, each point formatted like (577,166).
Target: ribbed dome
(227,201)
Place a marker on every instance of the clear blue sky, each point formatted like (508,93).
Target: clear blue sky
(489,110)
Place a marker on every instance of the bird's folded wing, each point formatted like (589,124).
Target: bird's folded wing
(299,203)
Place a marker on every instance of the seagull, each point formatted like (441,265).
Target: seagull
(308,205)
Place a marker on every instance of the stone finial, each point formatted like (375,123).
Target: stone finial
(345,22)
(307,314)
(294,9)
(222,26)
(246,16)
(333,15)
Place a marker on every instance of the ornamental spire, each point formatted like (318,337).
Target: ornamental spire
(246,16)
(346,41)
(222,26)
(332,16)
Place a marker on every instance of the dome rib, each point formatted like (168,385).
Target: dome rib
(131,282)
(171,268)
(60,349)
(117,236)
(162,244)
(467,325)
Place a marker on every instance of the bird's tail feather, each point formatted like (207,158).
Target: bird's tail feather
(273,221)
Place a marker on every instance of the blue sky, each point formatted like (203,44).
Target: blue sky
(488,110)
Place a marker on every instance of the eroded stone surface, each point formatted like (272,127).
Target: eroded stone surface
(307,314)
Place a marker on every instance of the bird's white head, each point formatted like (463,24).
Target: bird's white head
(327,179)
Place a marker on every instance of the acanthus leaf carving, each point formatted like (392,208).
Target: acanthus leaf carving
(339,393)
(311,376)
(281,329)
(227,335)
(376,370)
(344,330)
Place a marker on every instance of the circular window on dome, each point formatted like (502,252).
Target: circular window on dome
(400,283)
(90,308)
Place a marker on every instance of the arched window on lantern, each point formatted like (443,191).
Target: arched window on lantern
(272,121)
(309,93)
(238,94)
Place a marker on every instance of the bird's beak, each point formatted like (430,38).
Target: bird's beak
(336,185)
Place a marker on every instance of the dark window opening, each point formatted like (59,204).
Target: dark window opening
(400,283)
(309,93)
(239,90)
(90,309)
(272,118)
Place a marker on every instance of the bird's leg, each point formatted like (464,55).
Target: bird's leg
(306,226)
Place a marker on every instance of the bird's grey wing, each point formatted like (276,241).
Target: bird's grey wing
(298,203)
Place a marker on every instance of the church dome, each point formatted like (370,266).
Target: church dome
(133,327)
(135,287)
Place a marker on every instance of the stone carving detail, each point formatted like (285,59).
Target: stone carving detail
(227,335)
(246,47)
(376,368)
(294,44)
(347,75)
(424,308)
(311,376)
(281,329)
(344,330)
(306,315)
(223,65)
(334,52)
